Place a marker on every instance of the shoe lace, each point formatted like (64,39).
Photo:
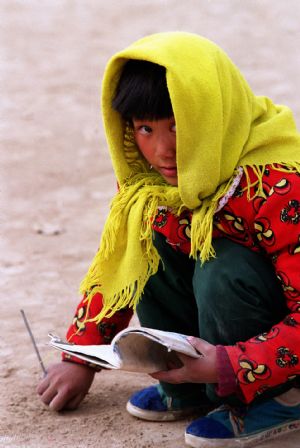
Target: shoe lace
(236,417)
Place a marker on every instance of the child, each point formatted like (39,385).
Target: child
(203,238)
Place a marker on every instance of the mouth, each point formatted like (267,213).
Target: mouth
(168,171)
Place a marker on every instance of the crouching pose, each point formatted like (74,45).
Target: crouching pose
(203,238)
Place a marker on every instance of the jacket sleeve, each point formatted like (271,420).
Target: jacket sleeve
(272,358)
(82,332)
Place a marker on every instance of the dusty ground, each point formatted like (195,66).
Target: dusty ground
(56,182)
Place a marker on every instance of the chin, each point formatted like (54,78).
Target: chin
(172,181)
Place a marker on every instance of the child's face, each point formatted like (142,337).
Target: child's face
(157,142)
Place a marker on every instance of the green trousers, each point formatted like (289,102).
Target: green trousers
(230,298)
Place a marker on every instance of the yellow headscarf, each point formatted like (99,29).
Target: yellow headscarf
(220,125)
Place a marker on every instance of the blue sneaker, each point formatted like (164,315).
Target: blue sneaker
(154,405)
(246,426)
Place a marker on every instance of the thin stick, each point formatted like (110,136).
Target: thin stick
(33,342)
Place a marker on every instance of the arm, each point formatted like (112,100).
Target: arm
(271,359)
(67,382)
(82,332)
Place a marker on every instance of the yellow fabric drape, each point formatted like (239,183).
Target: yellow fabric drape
(220,125)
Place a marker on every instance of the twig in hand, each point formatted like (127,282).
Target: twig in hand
(33,342)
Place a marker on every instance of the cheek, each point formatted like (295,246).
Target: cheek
(144,146)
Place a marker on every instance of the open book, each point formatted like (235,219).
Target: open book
(135,349)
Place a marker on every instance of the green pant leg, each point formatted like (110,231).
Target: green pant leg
(168,303)
(238,296)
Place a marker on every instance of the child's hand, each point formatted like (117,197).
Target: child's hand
(65,385)
(201,370)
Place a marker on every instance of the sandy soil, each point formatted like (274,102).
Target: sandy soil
(56,182)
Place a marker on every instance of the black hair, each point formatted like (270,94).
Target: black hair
(142,92)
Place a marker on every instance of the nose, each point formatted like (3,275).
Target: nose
(165,146)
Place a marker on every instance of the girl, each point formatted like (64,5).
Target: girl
(202,238)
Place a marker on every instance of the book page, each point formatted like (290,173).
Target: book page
(140,353)
(101,355)
(135,349)
(173,341)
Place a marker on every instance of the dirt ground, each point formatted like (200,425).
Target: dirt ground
(56,183)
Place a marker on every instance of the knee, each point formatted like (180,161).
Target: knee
(234,271)
(238,275)
(224,269)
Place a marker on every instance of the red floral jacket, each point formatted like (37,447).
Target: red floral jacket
(271,224)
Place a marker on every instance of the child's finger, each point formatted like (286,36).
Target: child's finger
(199,344)
(42,386)
(48,395)
(59,401)
(173,376)
(75,402)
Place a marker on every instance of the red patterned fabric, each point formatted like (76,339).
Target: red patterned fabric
(90,333)
(270,224)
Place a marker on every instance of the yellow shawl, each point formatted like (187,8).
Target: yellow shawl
(220,125)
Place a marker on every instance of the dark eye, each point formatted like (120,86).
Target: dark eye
(145,129)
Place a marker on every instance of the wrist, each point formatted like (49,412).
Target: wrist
(226,377)
(84,364)
(213,359)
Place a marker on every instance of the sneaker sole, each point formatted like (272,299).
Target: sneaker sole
(159,416)
(247,441)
